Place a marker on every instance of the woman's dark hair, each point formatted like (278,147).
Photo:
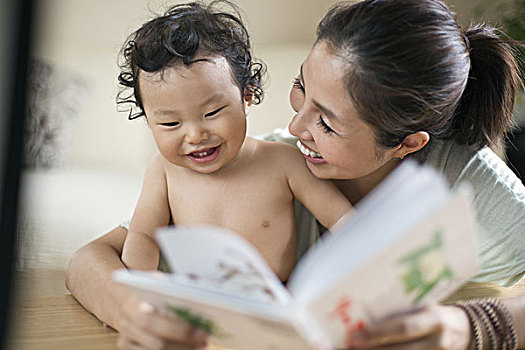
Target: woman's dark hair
(180,34)
(411,68)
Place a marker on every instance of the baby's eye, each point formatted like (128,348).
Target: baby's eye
(170,124)
(214,112)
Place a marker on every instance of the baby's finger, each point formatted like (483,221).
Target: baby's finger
(134,336)
(169,327)
(126,343)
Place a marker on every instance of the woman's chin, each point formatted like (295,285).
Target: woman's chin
(319,170)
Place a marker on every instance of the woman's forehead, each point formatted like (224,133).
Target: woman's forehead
(323,75)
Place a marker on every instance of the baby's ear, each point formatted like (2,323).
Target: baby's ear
(248,99)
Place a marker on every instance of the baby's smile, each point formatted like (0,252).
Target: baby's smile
(205,155)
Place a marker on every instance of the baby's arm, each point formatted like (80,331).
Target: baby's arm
(140,251)
(321,197)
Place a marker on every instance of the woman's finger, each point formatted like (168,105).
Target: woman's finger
(402,328)
(445,327)
(427,343)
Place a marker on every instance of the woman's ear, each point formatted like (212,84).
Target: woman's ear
(412,143)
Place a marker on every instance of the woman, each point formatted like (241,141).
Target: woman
(386,80)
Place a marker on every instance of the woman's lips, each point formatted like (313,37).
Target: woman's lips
(205,155)
(309,155)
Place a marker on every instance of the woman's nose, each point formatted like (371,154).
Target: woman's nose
(195,134)
(299,127)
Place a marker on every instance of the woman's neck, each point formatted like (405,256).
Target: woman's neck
(357,189)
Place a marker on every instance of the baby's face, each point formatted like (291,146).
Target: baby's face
(196,114)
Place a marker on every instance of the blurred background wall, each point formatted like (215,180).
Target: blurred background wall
(83,38)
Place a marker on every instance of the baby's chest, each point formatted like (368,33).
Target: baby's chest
(241,206)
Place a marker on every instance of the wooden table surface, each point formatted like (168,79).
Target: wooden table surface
(43,317)
(57,322)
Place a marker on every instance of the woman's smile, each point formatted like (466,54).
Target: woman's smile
(310,155)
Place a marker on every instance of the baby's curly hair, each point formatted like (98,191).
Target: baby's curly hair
(180,34)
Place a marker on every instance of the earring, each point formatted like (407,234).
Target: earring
(401,158)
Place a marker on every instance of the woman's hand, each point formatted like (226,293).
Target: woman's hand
(141,326)
(431,327)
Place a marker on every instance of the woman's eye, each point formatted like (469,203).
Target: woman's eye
(297,84)
(324,127)
(170,124)
(214,112)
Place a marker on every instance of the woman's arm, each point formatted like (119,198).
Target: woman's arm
(141,326)
(88,276)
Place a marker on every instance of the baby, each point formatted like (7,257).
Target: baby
(192,76)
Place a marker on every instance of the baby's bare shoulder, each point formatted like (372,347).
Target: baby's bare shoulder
(157,162)
(278,151)
(159,167)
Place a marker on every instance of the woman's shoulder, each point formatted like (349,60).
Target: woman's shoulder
(499,201)
(460,163)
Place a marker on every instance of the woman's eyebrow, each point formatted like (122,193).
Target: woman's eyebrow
(325,110)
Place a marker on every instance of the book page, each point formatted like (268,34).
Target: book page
(404,198)
(410,242)
(233,322)
(217,259)
(423,265)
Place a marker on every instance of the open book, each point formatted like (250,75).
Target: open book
(411,241)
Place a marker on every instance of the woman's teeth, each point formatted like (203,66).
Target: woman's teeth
(307,152)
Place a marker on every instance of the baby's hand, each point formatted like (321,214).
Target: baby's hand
(142,326)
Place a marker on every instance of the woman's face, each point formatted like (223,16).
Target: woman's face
(335,142)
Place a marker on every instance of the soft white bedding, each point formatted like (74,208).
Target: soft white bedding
(60,210)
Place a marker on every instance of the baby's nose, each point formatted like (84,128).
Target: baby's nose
(196,135)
